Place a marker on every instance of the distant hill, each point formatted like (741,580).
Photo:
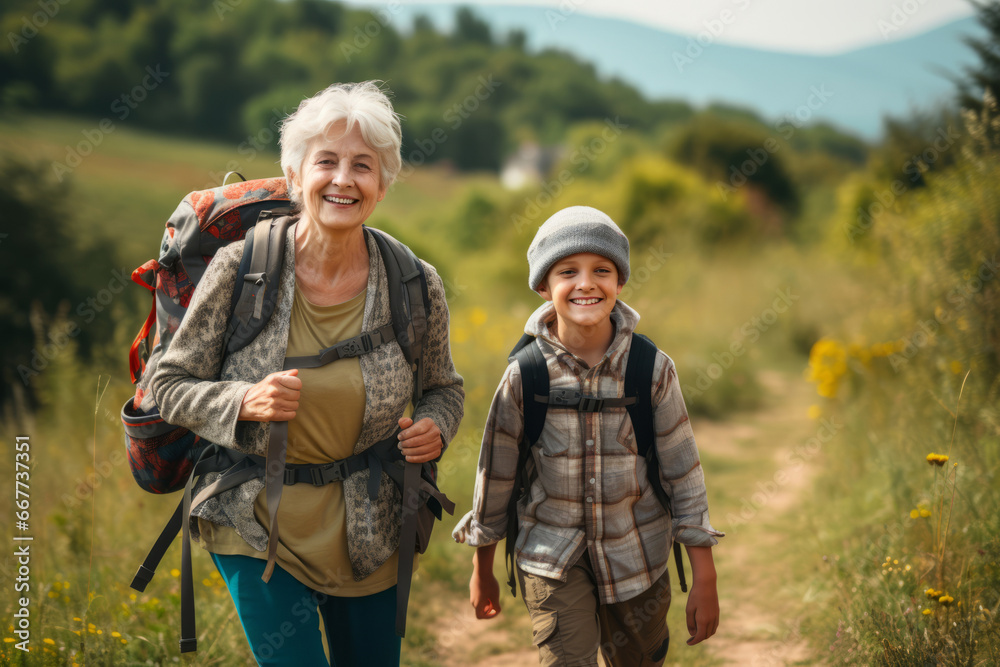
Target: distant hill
(865,84)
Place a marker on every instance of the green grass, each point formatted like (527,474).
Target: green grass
(811,563)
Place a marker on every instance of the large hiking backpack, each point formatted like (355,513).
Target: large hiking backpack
(160,455)
(538,399)
(166,458)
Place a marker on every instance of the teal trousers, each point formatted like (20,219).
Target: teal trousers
(281,619)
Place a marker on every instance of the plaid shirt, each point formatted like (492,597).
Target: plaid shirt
(588,487)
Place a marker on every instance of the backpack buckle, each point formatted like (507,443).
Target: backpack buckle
(355,347)
(590,404)
(566,398)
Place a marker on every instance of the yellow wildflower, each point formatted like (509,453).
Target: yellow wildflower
(937,459)
(927,612)
(123,641)
(914,514)
(931,593)
(924,512)
(53,594)
(175,573)
(477,317)
(50,642)
(946,600)
(116,634)
(8,640)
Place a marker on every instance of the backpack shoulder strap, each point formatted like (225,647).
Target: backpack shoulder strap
(534,384)
(255,293)
(408,301)
(639,383)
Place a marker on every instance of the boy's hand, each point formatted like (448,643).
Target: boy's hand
(420,442)
(484,593)
(702,612)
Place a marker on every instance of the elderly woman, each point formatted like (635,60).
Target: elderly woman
(338,546)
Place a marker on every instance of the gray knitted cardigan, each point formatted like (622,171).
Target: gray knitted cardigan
(196,388)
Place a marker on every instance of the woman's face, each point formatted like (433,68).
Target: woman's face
(340,179)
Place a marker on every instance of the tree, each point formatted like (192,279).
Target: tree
(42,302)
(986,75)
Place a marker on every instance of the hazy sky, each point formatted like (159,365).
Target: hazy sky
(804,26)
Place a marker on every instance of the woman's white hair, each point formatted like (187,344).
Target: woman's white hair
(363,104)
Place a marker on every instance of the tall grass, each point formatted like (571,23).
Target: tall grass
(908,520)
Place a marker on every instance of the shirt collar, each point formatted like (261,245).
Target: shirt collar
(623,316)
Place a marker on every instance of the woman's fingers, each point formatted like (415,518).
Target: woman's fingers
(275,398)
(421,441)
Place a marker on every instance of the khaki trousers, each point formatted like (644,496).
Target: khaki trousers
(570,626)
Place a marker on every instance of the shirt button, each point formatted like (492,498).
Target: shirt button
(590,499)
(593,480)
(590,443)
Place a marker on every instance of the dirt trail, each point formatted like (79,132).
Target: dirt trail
(759,626)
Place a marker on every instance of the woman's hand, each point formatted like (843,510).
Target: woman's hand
(420,442)
(273,399)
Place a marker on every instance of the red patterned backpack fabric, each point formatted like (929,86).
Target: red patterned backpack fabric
(161,455)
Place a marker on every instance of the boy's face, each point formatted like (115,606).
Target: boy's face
(583,288)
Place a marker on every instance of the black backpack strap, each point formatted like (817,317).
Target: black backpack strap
(408,299)
(255,293)
(639,383)
(534,394)
(408,303)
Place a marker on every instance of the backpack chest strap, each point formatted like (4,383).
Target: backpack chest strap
(571,398)
(352,347)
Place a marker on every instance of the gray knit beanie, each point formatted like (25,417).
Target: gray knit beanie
(572,230)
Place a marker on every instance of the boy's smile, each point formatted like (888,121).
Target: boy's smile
(583,288)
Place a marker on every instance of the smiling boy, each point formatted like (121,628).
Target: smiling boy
(593,540)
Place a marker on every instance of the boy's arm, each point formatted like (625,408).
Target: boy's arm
(484,589)
(486,523)
(680,465)
(703,600)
